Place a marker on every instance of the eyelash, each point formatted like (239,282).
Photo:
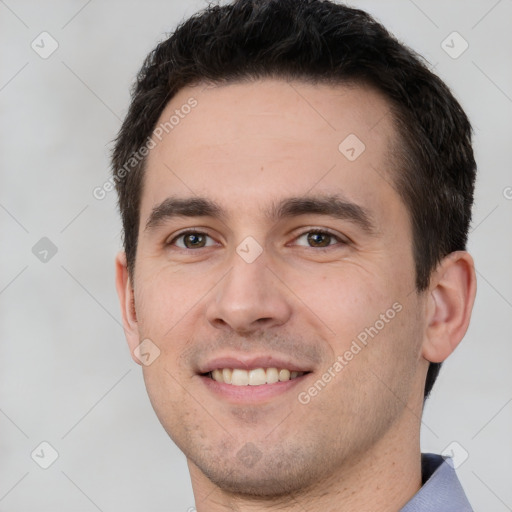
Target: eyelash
(311,230)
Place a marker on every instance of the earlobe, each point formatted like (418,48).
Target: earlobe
(450,302)
(126,299)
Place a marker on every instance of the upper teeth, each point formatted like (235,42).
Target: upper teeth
(256,377)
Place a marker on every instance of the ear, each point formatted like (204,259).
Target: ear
(450,301)
(126,299)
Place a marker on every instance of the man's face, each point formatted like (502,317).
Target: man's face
(267,282)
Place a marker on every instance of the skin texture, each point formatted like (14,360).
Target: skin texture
(355,444)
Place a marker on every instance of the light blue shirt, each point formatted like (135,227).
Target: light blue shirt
(441,490)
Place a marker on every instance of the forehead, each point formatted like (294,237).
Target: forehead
(246,144)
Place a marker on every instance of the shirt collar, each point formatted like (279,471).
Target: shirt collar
(441,490)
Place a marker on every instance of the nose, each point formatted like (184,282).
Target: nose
(249,298)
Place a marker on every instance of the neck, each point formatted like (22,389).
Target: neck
(382,479)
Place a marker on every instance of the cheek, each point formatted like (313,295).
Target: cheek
(163,299)
(371,324)
(347,298)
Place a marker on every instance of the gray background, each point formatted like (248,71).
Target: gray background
(66,374)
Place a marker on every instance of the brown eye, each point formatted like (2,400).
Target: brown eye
(318,239)
(191,240)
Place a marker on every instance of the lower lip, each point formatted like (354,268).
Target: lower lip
(251,394)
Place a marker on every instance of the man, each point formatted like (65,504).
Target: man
(296,189)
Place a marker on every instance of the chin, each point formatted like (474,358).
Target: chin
(259,484)
(251,473)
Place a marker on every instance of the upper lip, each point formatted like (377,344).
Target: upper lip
(249,362)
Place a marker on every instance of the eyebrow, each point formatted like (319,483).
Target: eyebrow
(333,206)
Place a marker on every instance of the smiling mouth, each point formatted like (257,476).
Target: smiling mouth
(254,377)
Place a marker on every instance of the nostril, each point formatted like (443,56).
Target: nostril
(264,320)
